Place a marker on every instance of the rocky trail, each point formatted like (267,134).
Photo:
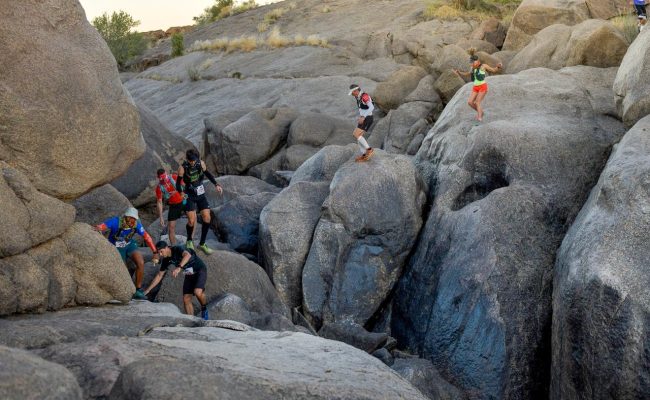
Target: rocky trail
(502,259)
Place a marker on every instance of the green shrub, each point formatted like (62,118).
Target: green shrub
(223,9)
(116,31)
(177,45)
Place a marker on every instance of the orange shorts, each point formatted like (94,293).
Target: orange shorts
(480,88)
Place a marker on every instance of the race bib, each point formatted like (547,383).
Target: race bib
(188,271)
(200,190)
(120,244)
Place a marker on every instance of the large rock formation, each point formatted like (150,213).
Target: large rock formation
(424,376)
(593,42)
(46,260)
(26,376)
(360,244)
(163,150)
(66,126)
(224,364)
(100,204)
(412,118)
(87,323)
(237,221)
(632,85)
(65,119)
(534,15)
(287,223)
(476,297)
(601,308)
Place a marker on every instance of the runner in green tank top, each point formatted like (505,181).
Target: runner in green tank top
(478,74)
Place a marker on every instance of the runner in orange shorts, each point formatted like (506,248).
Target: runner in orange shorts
(478,74)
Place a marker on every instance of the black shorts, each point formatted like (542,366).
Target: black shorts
(195,281)
(175,211)
(367,122)
(640,9)
(197,203)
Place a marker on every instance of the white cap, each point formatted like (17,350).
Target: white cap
(131,212)
(352,89)
(642,16)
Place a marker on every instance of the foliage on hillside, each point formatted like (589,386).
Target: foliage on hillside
(223,9)
(122,40)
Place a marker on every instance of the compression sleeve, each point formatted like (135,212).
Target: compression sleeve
(179,186)
(210,177)
(149,241)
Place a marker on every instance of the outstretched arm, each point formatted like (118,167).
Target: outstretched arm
(491,69)
(211,178)
(461,73)
(156,280)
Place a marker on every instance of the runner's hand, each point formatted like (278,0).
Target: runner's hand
(176,271)
(360,120)
(219,189)
(162,222)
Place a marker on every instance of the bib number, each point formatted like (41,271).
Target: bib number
(188,271)
(120,244)
(200,190)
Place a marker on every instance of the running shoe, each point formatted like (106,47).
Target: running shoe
(189,245)
(204,247)
(366,156)
(205,315)
(139,295)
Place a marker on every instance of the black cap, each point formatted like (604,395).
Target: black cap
(161,244)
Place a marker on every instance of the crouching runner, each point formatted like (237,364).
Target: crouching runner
(195,271)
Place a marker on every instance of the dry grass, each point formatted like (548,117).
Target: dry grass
(299,40)
(194,74)
(627,25)
(447,10)
(325,10)
(317,41)
(275,39)
(206,64)
(274,15)
(245,44)
(263,26)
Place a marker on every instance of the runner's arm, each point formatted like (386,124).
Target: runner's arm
(156,280)
(181,172)
(491,69)
(149,241)
(211,178)
(159,205)
(462,73)
(186,258)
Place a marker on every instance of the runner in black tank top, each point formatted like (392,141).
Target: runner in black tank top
(193,171)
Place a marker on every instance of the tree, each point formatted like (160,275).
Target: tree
(116,31)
